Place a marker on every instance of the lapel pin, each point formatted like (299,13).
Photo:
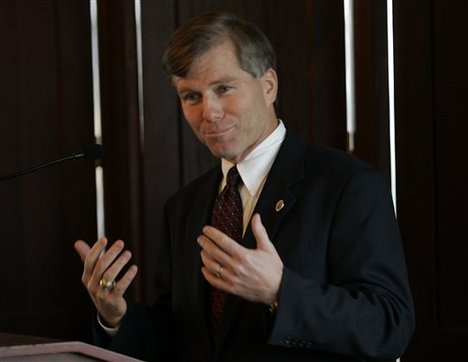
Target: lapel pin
(279,205)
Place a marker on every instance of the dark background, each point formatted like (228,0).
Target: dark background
(46,111)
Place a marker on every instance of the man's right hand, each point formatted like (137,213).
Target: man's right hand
(101,267)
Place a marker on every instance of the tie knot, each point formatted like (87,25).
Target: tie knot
(233,178)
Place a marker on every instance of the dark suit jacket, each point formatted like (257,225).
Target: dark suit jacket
(344,294)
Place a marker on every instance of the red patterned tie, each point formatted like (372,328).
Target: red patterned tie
(227,216)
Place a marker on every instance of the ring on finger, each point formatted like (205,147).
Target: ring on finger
(219,271)
(107,285)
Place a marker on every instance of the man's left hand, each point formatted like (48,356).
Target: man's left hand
(253,274)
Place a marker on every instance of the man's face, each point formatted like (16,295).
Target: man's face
(229,110)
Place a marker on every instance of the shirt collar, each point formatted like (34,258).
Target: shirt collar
(256,165)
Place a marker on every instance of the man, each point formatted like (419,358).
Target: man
(313,270)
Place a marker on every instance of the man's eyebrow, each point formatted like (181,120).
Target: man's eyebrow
(226,79)
(183,90)
(222,80)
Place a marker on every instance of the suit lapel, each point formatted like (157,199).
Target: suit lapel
(277,196)
(199,216)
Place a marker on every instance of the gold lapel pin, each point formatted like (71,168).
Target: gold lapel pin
(279,205)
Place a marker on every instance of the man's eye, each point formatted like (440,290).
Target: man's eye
(223,89)
(191,98)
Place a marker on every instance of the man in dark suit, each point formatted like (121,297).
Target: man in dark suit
(317,273)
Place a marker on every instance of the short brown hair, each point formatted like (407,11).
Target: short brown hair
(253,50)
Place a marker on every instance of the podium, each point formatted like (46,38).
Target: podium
(18,348)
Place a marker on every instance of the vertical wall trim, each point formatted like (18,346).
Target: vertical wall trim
(97,116)
(139,50)
(391,101)
(350,72)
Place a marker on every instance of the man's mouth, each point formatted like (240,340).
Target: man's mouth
(217,132)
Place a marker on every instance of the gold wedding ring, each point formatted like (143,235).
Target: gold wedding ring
(107,285)
(219,271)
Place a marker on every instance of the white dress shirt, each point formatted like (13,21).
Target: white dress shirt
(254,169)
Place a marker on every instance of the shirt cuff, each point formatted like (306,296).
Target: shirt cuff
(109,330)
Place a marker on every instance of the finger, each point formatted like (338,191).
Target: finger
(82,248)
(124,282)
(92,257)
(221,283)
(107,259)
(223,241)
(211,264)
(260,233)
(212,251)
(116,267)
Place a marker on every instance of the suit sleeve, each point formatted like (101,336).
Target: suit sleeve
(144,334)
(364,307)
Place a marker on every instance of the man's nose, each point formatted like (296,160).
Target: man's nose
(212,109)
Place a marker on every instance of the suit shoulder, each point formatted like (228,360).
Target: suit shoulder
(318,157)
(298,158)
(334,159)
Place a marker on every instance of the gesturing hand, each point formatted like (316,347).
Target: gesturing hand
(253,274)
(102,267)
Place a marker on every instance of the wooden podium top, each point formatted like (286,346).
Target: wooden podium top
(18,348)
(8,339)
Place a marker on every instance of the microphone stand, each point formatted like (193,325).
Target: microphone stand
(93,152)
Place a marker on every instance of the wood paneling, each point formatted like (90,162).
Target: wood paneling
(372,141)
(431,87)
(46,112)
(450,59)
(162,171)
(120,126)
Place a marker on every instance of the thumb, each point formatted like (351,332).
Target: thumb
(82,249)
(260,233)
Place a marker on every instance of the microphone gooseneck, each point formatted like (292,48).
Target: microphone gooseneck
(90,153)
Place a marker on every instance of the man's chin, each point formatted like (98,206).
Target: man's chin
(223,153)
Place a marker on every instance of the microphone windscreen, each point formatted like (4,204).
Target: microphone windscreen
(93,152)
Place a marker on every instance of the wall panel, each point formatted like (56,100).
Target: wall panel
(431,87)
(46,113)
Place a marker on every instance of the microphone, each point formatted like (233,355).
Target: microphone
(91,153)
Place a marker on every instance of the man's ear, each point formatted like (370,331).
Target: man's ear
(270,85)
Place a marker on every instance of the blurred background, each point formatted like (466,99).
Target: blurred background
(385,80)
